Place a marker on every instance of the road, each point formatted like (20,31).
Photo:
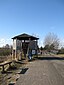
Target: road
(43,72)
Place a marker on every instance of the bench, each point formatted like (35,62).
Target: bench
(5,63)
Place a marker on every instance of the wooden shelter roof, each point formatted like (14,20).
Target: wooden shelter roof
(25,37)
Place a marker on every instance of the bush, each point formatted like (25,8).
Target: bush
(5,51)
(61,51)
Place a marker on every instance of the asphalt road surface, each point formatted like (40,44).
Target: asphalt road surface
(47,71)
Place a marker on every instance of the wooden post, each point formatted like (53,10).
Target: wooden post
(16,51)
(3,69)
(24,51)
(12,52)
(21,50)
(37,49)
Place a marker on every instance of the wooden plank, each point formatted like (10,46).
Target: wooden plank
(13,80)
(5,63)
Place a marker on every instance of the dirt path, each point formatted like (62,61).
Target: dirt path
(43,72)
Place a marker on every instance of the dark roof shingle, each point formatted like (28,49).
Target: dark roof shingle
(25,36)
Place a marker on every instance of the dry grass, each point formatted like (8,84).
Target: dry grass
(12,70)
(60,55)
(5,58)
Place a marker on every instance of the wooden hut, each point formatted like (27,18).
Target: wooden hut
(24,42)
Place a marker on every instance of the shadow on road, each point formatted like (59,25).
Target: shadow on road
(23,70)
(50,58)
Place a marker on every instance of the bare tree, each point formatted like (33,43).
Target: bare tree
(51,40)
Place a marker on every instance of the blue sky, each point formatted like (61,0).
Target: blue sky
(31,16)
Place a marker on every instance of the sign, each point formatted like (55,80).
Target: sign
(33,52)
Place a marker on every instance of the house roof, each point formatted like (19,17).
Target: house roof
(25,36)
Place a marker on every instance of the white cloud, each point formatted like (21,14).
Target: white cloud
(4,41)
(61,43)
(40,43)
